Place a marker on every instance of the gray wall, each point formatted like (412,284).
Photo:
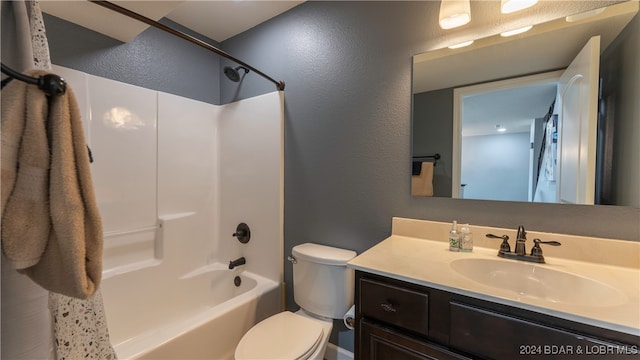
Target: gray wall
(621,79)
(155,60)
(347,66)
(432,133)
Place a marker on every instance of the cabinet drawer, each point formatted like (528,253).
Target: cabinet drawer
(397,306)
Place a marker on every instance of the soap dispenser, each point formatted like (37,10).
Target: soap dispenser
(454,238)
(466,239)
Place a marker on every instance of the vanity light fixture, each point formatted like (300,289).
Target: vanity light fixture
(509,6)
(454,13)
(516,31)
(460,45)
(584,15)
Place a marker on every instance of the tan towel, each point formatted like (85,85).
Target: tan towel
(422,185)
(25,174)
(51,228)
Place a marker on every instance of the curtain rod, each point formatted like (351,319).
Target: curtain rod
(146,20)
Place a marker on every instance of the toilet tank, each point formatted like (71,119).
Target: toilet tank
(322,283)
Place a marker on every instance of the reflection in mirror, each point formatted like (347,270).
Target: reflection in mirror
(453,117)
(505,143)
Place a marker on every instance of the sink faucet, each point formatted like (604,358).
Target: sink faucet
(520,252)
(521,238)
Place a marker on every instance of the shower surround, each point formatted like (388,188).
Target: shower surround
(173,178)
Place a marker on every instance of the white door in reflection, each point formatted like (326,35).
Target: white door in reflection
(577,125)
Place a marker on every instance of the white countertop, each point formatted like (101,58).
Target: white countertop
(427,262)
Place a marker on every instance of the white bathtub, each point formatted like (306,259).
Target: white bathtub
(201,315)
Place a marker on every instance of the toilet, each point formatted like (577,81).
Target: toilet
(323,287)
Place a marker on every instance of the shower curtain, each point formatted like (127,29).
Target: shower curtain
(37,324)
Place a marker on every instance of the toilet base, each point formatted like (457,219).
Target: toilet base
(327,326)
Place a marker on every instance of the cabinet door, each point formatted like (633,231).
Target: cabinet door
(492,335)
(378,342)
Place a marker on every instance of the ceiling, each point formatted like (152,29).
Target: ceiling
(217,20)
(513,108)
(548,46)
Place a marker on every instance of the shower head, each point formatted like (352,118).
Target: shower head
(233,74)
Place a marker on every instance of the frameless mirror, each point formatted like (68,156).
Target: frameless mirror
(499,115)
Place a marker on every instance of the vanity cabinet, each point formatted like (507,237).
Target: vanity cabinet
(382,342)
(402,320)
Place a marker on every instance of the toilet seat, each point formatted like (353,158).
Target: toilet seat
(281,336)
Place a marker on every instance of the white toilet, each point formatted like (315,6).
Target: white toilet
(323,287)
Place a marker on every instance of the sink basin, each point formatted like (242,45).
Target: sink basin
(527,280)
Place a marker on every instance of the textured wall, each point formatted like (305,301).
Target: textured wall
(432,133)
(623,57)
(347,66)
(154,59)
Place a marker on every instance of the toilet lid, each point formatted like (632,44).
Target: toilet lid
(282,336)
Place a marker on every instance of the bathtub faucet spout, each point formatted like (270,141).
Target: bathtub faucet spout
(237,262)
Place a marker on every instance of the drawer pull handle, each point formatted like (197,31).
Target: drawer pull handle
(388,307)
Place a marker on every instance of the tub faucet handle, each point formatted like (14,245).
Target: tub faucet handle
(243,233)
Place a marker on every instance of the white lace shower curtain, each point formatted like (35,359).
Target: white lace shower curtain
(37,324)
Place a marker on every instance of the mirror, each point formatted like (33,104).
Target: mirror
(448,85)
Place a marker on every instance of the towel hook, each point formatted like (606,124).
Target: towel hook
(51,84)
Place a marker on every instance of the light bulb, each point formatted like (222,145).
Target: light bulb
(516,31)
(454,13)
(462,44)
(509,6)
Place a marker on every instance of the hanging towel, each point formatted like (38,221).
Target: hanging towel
(422,185)
(25,174)
(51,228)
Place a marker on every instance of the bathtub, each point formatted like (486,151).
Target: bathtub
(200,315)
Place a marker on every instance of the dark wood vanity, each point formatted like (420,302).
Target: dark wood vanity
(401,320)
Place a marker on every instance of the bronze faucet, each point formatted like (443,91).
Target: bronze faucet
(520,252)
(521,238)
(237,262)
